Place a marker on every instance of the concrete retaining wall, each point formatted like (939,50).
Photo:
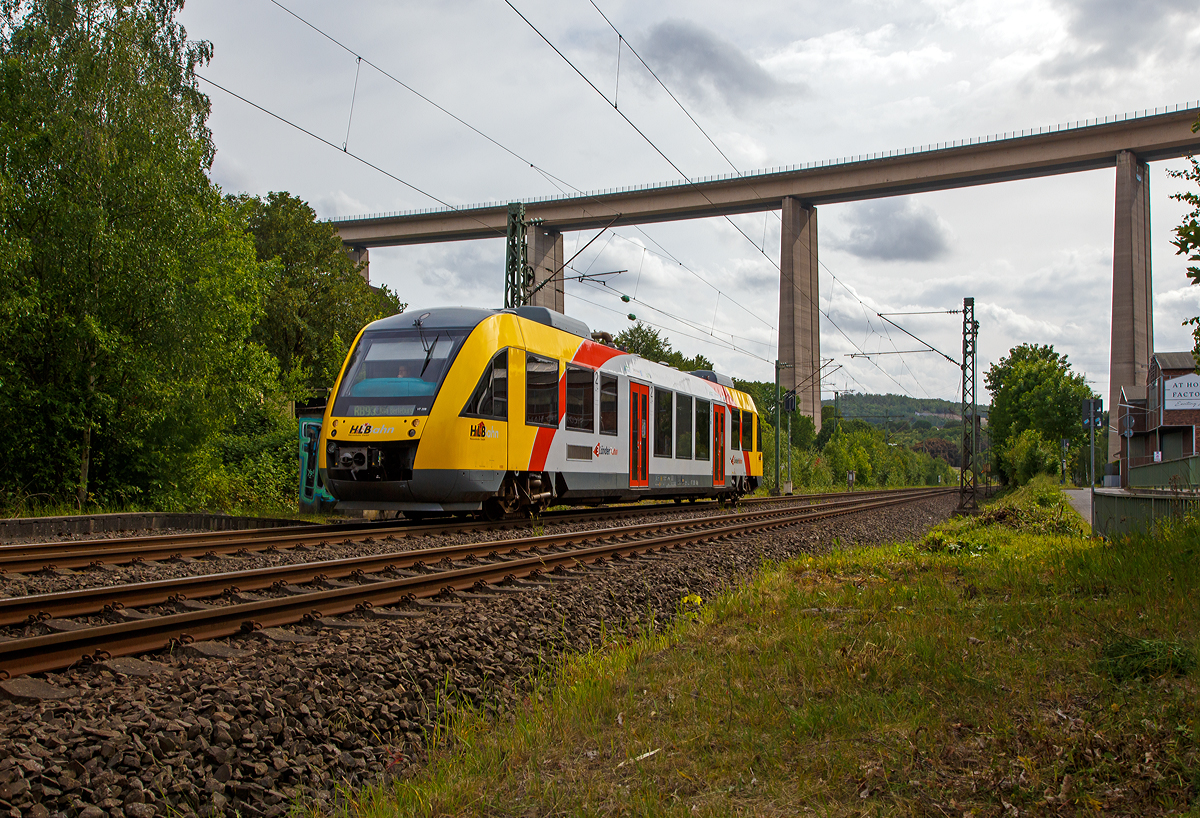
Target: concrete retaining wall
(25,528)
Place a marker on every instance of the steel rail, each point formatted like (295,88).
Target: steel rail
(62,650)
(98,600)
(32,557)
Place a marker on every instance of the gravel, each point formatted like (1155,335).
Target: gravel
(291,715)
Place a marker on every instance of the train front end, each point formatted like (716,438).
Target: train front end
(383,405)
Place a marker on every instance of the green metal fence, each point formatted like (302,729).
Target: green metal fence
(1121,512)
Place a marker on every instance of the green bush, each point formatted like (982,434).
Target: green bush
(1028,455)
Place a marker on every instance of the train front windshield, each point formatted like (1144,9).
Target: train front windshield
(396,373)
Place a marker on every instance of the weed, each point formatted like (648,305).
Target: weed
(1128,657)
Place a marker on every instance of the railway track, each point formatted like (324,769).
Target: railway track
(32,557)
(383,580)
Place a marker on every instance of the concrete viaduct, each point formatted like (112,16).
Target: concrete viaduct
(1126,142)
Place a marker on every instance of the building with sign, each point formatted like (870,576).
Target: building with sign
(1158,425)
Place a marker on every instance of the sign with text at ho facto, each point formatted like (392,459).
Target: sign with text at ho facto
(1182,392)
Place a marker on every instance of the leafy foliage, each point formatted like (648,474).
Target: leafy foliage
(1029,454)
(1033,389)
(642,339)
(316,300)
(134,289)
(1187,234)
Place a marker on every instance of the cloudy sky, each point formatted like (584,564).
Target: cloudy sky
(772,84)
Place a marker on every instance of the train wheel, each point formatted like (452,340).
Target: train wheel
(493,509)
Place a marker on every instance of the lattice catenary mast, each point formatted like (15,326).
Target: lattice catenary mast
(968,480)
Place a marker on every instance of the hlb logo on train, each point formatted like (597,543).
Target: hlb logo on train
(480,430)
(368,429)
(601,450)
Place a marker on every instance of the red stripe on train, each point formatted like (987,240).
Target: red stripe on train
(595,355)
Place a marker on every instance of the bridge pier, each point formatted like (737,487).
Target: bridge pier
(1132,295)
(546,259)
(799,317)
(361,254)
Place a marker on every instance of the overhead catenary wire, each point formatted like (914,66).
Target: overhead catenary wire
(556,181)
(352,155)
(631,124)
(691,324)
(353,96)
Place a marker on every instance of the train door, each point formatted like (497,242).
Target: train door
(718,445)
(310,435)
(639,435)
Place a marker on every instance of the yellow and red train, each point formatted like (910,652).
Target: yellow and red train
(461,410)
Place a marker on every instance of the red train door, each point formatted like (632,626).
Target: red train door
(718,445)
(639,435)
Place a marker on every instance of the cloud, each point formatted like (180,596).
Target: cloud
(897,229)
(335,203)
(1109,35)
(702,66)
(855,55)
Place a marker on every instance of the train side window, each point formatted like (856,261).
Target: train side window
(735,429)
(541,391)
(608,405)
(683,426)
(703,435)
(662,422)
(581,399)
(747,431)
(490,399)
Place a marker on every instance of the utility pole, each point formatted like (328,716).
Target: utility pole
(968,481)
(1093,418)
(778,366)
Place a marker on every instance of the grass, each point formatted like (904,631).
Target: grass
(1004,666)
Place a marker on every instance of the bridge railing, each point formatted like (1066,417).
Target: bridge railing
(1078,124)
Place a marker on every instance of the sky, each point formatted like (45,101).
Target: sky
(771,84)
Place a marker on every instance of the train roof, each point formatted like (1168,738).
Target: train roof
(436,318)
(470,317)
(715,377)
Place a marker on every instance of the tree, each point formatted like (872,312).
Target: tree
(316,299)
(1034,388)
(646,341)
(129,288)
(1187,234)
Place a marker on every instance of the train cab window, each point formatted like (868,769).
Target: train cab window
(396,373)
(683,427)
(747,431)
(703,433)
(490,399)
(662,422)
(735,429)
(608,405)
(541,391)
(581,399)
